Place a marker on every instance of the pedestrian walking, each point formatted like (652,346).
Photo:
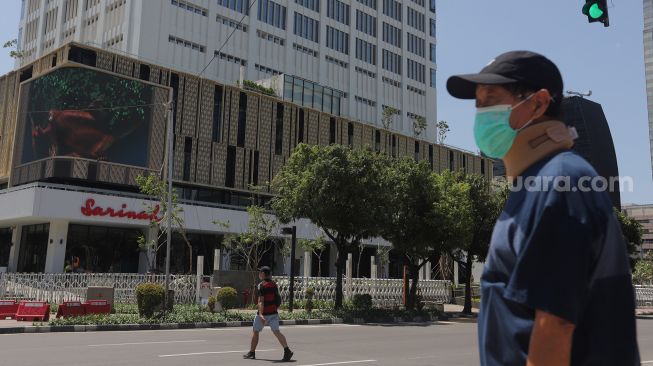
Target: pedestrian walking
(557,287)
(268,304)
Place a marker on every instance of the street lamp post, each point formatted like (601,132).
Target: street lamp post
(291,231)
(169,156)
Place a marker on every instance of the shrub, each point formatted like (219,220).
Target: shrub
(309,300)
(149,297)
(228,297)
(211,303)
(362,302)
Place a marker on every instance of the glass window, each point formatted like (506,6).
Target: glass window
(336,105)
(297,91)
(287,88)
(308,94)
(317,96)
(328,93)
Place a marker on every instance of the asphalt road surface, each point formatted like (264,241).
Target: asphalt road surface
(444,343)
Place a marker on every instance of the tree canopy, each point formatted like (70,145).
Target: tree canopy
(338,189)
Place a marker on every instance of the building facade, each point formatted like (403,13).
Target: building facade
(80,124)
(372,53)
(644,215)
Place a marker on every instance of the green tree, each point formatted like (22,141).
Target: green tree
(252,245)
(383,255)
(632,233)
(14,51)
(336,188)
(443,129)
(412,222)
(469,239)
(315,246)
(387,119)
(419,125)
(157,190)
(643,272)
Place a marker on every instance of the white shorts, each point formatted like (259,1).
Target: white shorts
(271,320)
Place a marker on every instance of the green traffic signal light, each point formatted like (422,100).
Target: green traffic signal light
(595,11)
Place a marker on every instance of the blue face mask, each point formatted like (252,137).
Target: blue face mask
(492,130)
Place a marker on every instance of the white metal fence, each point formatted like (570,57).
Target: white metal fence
(57,288)
(644,296)
(383,291)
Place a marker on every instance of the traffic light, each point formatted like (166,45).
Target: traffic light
(597,11)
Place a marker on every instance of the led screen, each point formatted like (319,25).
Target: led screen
(79,112)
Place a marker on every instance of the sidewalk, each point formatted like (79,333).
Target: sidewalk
(644,312)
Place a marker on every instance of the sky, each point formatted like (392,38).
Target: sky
(470,33)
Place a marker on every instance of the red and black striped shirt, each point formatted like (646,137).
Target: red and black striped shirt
(268,289)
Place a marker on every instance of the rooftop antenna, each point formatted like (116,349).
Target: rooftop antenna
(579,94)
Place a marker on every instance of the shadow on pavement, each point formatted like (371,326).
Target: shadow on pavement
(274,361)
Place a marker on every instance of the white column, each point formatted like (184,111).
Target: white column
(56,255)
(198,277)
(217,263)
(148,256)
(226,261)
(455,273)
(15,249)
(308,261)
(373,267)
(349,270)
(427,270)
(350,263)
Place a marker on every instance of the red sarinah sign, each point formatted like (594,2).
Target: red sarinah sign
(90,209)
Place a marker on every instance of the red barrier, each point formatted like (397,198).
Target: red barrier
(70,309)
(8,309)
(97,307)
(33,310)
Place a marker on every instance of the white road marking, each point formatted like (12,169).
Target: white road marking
(340,363)
(647,362)
(213,353)
(143,343)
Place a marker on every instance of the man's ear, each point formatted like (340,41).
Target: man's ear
(542,99)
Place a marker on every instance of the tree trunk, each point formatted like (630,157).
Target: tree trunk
(411,302)
(319,265)
(467,309)
(341,262)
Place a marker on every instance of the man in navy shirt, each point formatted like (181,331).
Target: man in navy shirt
(556,289)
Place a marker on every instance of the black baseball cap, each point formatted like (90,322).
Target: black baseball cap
(529,68)
(265,269)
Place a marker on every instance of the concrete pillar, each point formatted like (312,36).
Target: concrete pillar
(308,261)
(148,256)
(427,271)
(373,267)
(15,248)
(349,272)
(350,266)
(217,260)
(455,273)
(56,255)
(226,261)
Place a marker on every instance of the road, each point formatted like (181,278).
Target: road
(444,343)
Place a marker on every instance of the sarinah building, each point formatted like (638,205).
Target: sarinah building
(78,125)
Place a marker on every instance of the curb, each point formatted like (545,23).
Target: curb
(165,326)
